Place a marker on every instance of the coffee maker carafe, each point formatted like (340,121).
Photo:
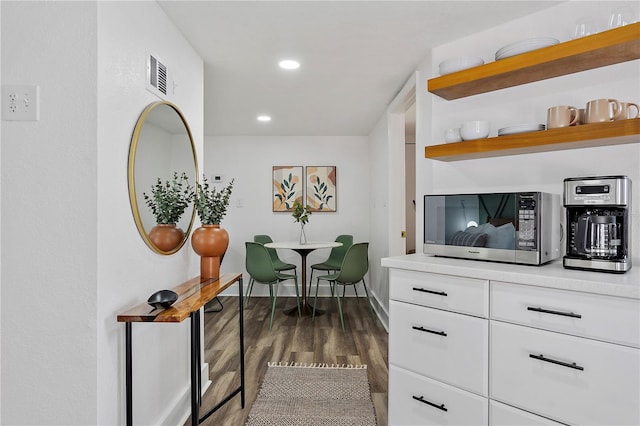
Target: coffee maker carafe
(598,223)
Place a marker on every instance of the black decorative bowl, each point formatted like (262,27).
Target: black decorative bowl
(162,299)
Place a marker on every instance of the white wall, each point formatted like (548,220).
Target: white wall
(49,209)
(379,215)
(76,257)
(526,104)
(0,227)
(128,271)
(250,160)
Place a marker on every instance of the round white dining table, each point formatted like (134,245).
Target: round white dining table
(303,250)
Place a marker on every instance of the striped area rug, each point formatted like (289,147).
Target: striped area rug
(313,395)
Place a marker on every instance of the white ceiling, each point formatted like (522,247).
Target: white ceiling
(355,55)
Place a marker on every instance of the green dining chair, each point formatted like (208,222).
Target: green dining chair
(353,269)
(278,264)
(334,261)
(261,270)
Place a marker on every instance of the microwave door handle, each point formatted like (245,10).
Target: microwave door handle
(582,234)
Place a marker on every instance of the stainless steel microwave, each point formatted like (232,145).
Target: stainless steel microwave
(513,227)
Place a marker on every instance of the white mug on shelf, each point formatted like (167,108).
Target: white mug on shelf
(627,111)
(452,135)
(585,26)
(620,17)
(599,110)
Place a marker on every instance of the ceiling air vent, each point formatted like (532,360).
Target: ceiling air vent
(157,77)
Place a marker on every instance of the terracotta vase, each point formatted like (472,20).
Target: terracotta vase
(166,236)
(210,242)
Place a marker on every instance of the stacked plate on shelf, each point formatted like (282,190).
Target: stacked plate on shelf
(520,128)
(524,46)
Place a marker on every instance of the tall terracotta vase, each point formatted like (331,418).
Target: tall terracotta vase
(210,242)
(166,236)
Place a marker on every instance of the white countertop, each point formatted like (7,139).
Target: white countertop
(552,275)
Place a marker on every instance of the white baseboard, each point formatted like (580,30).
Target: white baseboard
(380,311)
(181,410)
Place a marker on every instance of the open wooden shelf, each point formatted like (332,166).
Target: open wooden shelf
(585,136)
(598,50)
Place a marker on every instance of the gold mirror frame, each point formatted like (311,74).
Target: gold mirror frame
(135,191)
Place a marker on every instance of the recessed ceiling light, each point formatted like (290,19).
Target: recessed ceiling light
(289,64)
(264,118)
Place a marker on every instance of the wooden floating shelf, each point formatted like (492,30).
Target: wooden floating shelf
(586,136)
(598,50)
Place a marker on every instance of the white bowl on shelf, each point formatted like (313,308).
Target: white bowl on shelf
(459,63)
(475,129)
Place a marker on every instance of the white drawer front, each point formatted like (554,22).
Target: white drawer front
(458,294)
(505,415)
(605,392)
(606,318)
(449,347)
(410,396)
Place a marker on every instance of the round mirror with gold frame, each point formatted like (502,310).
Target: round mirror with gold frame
(161,147)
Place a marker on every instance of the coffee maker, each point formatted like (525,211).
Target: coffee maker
(598,223)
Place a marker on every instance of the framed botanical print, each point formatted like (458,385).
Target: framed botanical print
(321,188)
(287,187)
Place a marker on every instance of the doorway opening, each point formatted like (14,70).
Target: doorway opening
(410,177)
(402,119)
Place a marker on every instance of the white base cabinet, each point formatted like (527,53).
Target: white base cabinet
(470,351)
(417,400)
(566,378)
(442,345)
(505,415)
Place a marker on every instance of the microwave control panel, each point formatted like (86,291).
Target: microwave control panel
(527,235)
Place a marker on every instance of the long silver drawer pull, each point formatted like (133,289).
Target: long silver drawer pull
(548,311)
(555,361)
(424,290)
(421,399)
(426,330)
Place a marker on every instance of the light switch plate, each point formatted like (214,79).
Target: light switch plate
(20,103)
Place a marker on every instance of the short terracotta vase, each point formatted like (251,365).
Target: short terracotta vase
(166,236)
(210,242)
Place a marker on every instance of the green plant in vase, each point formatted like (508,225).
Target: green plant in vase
(168,202)
(301,215)
(210,241)
(169,199)
(211,203)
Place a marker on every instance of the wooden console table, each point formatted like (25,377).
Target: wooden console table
(192,295)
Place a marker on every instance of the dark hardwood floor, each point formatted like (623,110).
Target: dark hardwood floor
(292,339)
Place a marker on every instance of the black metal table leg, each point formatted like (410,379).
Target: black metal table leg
(128,373)
(241,342)
(195,408)
(199,356)
(240,388)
